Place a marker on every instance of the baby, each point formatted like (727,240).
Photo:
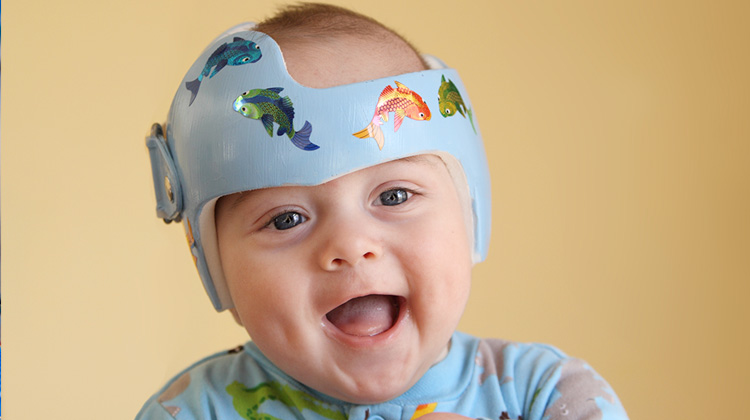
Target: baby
(335,204)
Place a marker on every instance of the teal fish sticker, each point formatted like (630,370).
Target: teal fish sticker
(235,53)
(450,102)
(269,107)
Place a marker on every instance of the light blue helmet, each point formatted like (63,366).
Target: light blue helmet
(240,122)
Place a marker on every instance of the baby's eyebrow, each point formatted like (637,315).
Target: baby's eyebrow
(423,158)
(413,159)
(241,197)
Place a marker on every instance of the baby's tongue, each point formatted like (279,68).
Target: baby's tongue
(365,316)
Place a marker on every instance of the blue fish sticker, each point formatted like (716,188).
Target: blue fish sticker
(235,53)
(269,107)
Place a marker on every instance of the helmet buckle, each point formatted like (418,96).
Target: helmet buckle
(166,183)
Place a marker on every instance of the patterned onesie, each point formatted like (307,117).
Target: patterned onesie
(485,379)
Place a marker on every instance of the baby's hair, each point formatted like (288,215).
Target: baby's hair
(308,22)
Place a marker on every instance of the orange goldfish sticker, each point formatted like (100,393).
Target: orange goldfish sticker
(403,102)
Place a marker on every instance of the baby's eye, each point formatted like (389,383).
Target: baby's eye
(394,197)
(287,220)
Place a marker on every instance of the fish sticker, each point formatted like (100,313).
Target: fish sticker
(403,102)
(269,107)
(450,101)
(235,53)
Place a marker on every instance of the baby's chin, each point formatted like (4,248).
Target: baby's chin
(375,392)
(367,388)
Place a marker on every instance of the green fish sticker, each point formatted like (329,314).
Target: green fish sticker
(269,107)
(450,102)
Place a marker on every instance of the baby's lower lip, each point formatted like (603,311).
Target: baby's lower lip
(366,316)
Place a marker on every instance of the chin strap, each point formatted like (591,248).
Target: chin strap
(166,183)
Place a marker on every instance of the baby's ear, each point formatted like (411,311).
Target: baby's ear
(236,317)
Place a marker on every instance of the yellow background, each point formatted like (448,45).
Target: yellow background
(618,135)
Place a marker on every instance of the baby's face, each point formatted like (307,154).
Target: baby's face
(353,287)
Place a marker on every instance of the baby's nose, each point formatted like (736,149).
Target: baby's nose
(348,242)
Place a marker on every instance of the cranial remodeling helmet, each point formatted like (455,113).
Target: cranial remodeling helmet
(240,122)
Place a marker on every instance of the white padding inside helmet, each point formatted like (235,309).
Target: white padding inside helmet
(210,241)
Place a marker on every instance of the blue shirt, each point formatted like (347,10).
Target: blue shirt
(487,379)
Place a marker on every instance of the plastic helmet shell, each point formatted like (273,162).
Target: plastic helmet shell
(211,149)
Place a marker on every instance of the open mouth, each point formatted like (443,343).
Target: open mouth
(366,316)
